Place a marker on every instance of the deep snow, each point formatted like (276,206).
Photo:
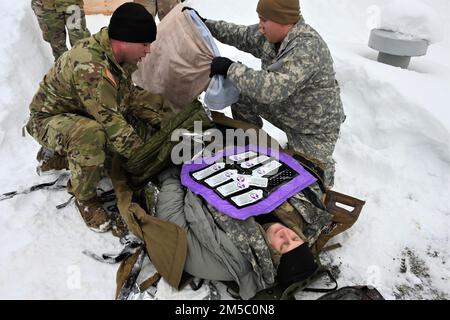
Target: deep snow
(394,152)
(412,18)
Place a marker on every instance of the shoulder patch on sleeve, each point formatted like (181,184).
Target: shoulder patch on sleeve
(109,76)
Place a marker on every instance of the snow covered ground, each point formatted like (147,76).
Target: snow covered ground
(394,153)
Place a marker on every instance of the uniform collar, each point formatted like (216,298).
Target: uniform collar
(102,38)
(294,33)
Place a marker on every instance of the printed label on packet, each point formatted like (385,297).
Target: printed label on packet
(259,182)
(241,182)
(242,156)
(248,197)
(254,162)
(202,174)
(267,169)
(221,178)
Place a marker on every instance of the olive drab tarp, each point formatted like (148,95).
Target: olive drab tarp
(155,155)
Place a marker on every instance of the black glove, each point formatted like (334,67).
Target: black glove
(220,65)
(189,8)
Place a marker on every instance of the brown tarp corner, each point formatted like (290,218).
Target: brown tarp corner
(179,63)
(166,243)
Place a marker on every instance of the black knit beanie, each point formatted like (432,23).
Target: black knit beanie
(131,22)
(296,265)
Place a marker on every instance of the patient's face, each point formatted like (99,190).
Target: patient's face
(282,238)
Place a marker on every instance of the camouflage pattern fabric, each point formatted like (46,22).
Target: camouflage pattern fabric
(83,142)
(162,7)
(296,89)
(249,239)
(54,16)
(155,154)
(80,110)
(310,216)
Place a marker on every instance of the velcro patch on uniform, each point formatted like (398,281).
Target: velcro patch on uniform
(109,76)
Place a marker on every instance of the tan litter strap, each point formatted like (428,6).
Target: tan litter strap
(149,282)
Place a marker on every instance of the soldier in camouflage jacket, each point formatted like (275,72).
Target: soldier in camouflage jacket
(80,108)
(296,89)
(54,16)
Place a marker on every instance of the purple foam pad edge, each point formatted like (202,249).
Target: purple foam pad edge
(274,200)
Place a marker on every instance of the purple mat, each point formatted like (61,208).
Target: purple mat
(275,198)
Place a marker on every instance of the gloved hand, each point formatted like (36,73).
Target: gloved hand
(189,8)
(220,65)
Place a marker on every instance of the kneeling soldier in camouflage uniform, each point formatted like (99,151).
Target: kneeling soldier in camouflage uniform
(80,108)
(296,89)
(54,16)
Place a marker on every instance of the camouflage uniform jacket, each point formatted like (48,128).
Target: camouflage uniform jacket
(296,89)
(88,81)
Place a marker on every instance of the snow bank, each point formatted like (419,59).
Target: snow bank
(24,59)
(412,18)
(394,154)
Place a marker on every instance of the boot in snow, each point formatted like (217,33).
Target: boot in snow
(119,228)
(49,160)
(94,215)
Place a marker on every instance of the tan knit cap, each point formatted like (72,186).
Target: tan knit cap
(279,11)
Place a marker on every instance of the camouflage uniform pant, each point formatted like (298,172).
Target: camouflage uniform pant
(82,141)
(54,16)
(162,7)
